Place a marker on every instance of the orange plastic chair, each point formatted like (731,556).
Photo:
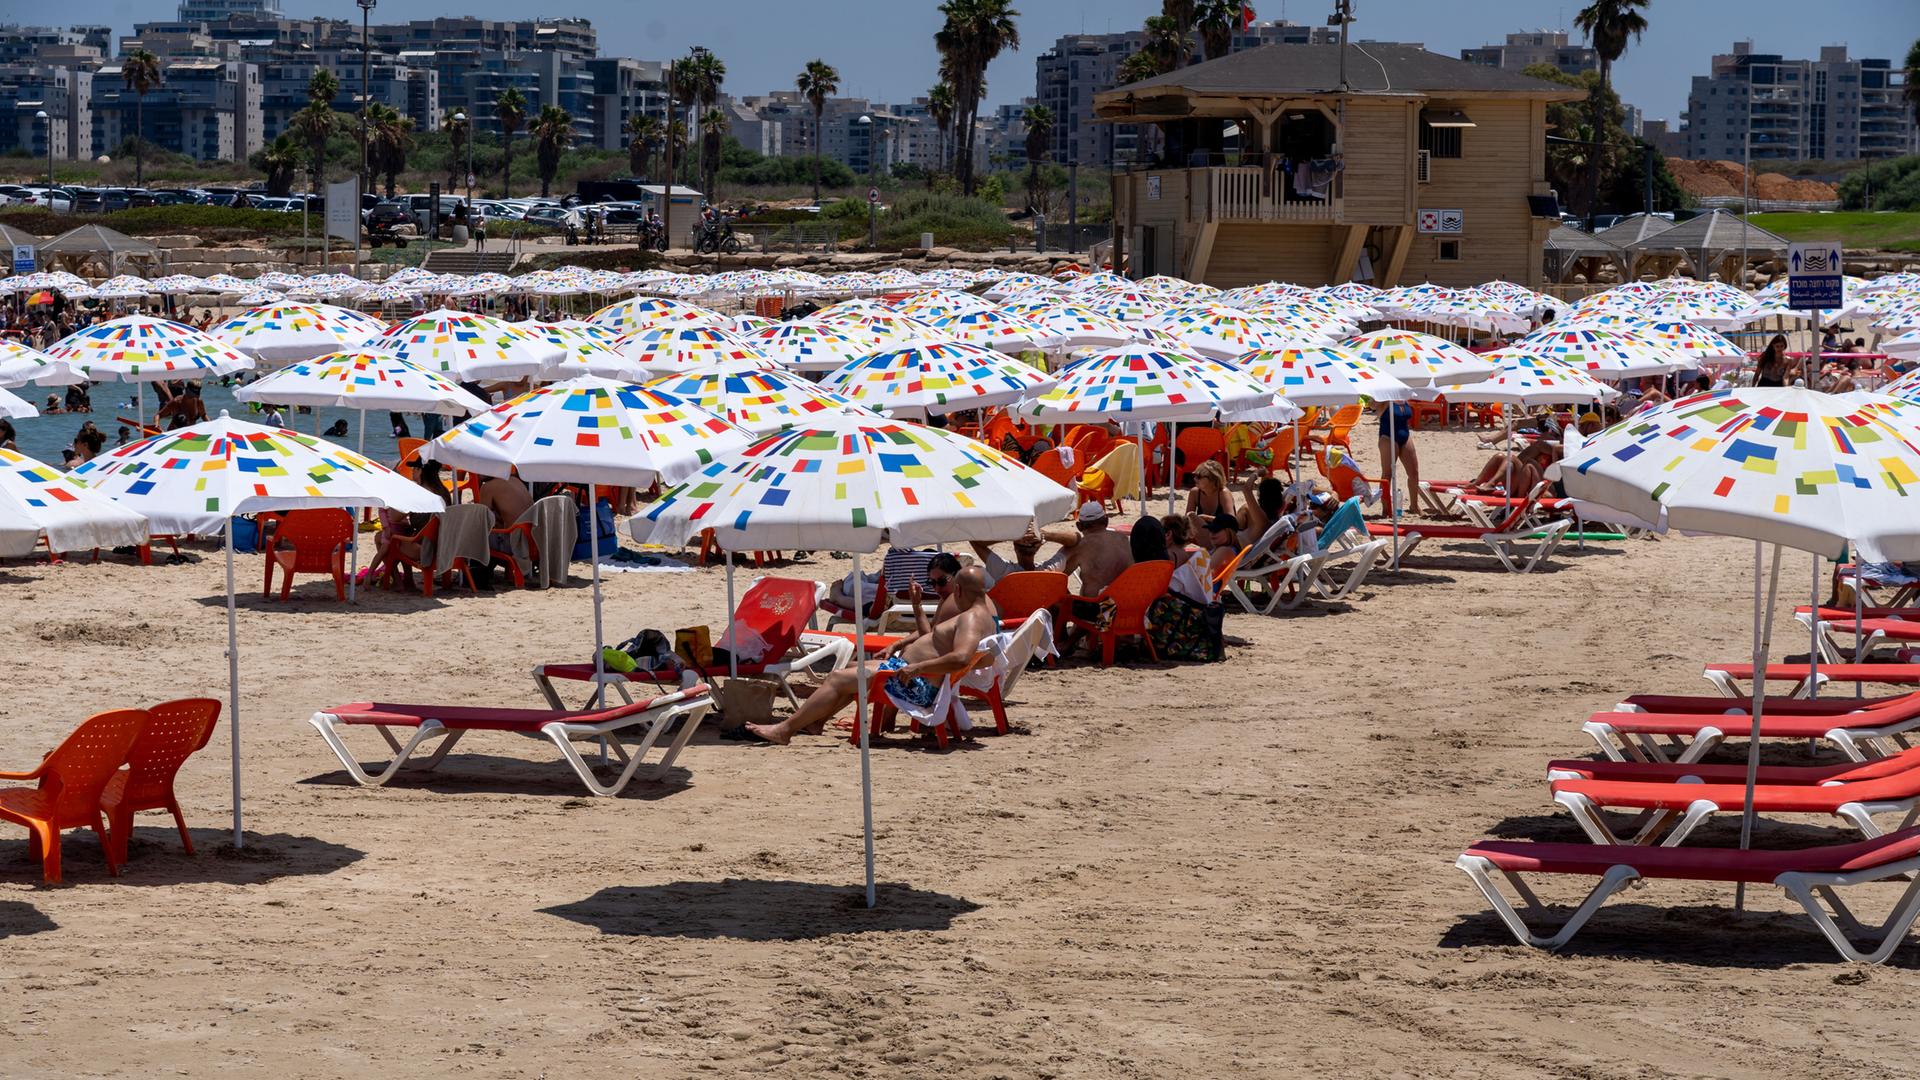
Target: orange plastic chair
(1198,444)
(1340,472)
(175,731)
(1024,592)
(406,566)
(1090,442)
(1225,573)
(409,455)
(1340,429)
(309,542)
(1133,592)
(1049,466)
(71,780)
(1426,410)
(881,712)
(1280,446)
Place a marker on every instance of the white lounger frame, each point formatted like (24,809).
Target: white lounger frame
(653,723)
(1810,889)
(1520,550)
(814,649)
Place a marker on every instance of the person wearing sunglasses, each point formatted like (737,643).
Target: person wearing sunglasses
(966,616)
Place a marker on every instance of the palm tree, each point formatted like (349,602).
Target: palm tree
(1912,90)
(699,77)
(458,132)
(552,133)
(281,159)
(511,110)
(389,141)
(1217,20)
(140,71)
(1608,25)
(713,137)
(976,32)
(642,132)
(817,82)
(940,110)
(1039,121)
(1179,13)
(316,123)
(1167,42)
(1138,66)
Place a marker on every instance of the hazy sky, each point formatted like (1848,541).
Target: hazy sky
(884,48)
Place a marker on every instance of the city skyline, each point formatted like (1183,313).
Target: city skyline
(1654,75)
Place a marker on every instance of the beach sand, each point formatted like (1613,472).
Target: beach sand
(1242,869)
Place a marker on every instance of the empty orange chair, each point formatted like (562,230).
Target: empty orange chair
(71,780)
(1024,592)
(309,542)
(1198,444)
(1049,466)
(1133,592)
(1340,428)
(174,732)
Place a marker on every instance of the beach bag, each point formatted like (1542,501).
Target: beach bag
(1182,629)
(246,535)
(695,643)
(609,541)
(745,701)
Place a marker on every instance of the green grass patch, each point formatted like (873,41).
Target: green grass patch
(1854,229)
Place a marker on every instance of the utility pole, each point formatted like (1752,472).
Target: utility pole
(1646,167)
(366,97)
(1073,206)
(666,199)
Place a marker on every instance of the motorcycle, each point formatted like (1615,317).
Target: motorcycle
(653,235)
(716,236)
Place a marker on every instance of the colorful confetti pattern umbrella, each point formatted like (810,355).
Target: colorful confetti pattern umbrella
(935,377)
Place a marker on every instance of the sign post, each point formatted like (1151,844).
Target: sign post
(1814,284)
(343,213)
(873,217)
(25,260)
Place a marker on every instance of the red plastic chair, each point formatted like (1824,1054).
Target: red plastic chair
(71,780)
(1049,466)
(406,566)
(308,542)
(1133,592)
(881,712)
(1198,444)
(1024,592)
(175,731)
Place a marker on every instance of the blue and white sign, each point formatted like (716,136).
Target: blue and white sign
(1813,277)
(23,259)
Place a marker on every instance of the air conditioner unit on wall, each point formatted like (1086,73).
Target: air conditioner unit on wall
(1423,168)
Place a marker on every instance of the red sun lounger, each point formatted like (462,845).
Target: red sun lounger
(1688,737)
(1693,793)
(646,719)
(1728,677)
(1518,545)
(1810,876)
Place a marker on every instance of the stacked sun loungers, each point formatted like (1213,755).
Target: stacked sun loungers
(1643,803)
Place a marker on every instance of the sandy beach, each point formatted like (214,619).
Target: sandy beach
(1241,869)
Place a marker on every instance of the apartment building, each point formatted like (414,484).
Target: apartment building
(1834,108)
(1530,47)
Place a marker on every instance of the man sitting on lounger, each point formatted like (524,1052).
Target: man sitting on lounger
(965,616)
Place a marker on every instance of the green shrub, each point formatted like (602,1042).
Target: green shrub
(1884,185)
(954,220)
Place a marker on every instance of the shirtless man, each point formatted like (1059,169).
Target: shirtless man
(965,615)
(1094,552)
(506,496)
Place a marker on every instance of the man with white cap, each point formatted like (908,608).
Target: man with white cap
(1094,552)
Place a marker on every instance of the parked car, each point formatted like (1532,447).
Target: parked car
(88,200)
(417,206)
(59,200)
(553,216)
(1605,221)
(172,197)
(390,221)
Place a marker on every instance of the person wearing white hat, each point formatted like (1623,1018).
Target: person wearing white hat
(1095,553)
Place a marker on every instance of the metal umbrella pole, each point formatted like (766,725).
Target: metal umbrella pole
(233,685)
(860,704)
(1762,643)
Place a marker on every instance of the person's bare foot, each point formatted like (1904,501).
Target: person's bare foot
(771,733)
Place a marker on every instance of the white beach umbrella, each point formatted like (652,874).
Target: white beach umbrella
(283,332)
(590,430)
(15,407)
(847,481)
(38,500)
(935,377)
(807,346)
(197,479)
(141,349)
(1604,354)
(366,381)
(21,364)
(468,346)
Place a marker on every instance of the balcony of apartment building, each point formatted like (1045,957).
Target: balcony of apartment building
(1264,168)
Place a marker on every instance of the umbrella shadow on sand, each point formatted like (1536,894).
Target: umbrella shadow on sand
(20,919)
(305,601)
(761,910)
(154,857)
(490,774)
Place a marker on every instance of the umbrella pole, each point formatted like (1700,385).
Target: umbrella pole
(860,717)
(233,685)
(733,655)
(593,556)
(1145,490)
(1813,639)
(1762,642)
(1859,617)
(1393,459)
(1173,433)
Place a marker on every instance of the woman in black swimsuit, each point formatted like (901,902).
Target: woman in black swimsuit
(1772,367)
